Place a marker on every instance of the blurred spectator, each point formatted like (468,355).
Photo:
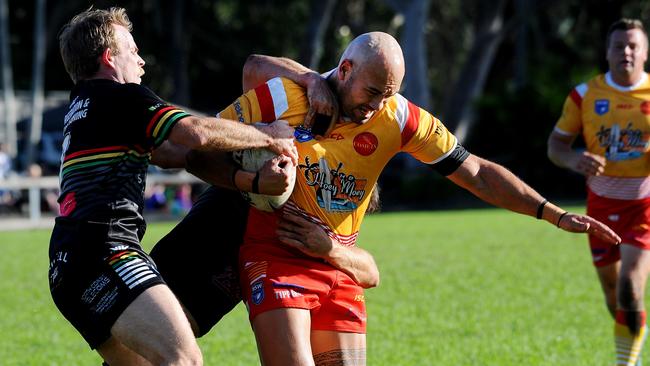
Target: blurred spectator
(5,162)
(182,200)
(154,197)
(49,197)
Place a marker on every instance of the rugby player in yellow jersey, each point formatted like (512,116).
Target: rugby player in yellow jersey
(304,311)
(612,113)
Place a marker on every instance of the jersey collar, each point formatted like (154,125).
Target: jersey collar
(612,83)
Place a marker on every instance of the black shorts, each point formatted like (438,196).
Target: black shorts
(96,270)
(199,258)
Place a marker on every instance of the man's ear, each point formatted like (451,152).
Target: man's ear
(345,68)
(106,58)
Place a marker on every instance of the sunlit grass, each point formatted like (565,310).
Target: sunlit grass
(472,287)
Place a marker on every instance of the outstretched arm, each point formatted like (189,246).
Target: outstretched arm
(210,134)
(218,168)
(311,239)
(495,184)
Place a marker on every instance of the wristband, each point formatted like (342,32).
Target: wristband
(540,208)
(255,187)
(560,218)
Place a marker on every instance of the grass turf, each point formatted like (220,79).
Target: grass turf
(469,287)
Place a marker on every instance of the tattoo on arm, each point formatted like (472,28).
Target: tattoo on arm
(341,357)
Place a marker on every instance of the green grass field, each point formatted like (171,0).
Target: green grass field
(471,287)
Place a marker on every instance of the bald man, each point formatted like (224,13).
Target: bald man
(305,311)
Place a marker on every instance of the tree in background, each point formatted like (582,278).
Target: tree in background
(496,72)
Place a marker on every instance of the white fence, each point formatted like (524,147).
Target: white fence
(35,185)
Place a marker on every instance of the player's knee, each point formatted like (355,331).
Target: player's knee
(629,294)
(188,355)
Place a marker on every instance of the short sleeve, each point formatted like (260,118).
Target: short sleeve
(276,99)
(570,122)
(157,117)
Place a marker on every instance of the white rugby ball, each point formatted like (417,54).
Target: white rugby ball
(252,160)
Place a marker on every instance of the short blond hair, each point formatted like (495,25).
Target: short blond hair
(86,36)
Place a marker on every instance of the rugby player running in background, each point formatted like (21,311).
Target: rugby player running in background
(612,113)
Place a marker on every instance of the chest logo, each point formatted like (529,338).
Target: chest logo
(645,107)
(302,134)
(622,143)
(336,190)
(601,106)
(365,143)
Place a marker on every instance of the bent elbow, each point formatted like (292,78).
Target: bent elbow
(372,280)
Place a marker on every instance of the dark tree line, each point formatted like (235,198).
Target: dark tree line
(496,72)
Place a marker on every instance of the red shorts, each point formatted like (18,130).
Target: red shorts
(274,276)
(630,219)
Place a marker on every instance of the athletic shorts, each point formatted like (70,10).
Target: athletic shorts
(630,219)
(96,270)
(273,277)
(198,259)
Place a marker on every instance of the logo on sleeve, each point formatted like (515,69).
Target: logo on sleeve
(601,106)
(365,143)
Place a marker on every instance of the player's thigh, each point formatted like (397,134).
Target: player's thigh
(283,337)
(338,348)
(155,326)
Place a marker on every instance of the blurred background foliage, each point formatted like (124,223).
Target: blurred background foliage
(495,72)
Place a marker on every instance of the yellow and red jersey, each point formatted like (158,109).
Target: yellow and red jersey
(336,173)
(614,121)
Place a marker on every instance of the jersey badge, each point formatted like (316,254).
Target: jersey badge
(303,134)
(257,292)
(365,143)
(601,106)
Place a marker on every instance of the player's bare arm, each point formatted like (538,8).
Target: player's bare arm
(561,154)
(312,240)
(218,168)
(201,133)
(496,185)
(260,68)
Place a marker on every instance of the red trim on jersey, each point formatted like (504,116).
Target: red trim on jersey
(265,101)
(577,99)
(411,124)
(95,151)
(155,118)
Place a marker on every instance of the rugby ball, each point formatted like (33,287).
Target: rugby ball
(252,160)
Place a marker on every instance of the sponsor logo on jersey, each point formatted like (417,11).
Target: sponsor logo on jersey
(625,143)
(257,292)
(601,106)
(365,143)
(624,106)
(238,111)
(645,107)
(286,294)
(77,110)
(302,134)
(336,191)
(68,204)
(336,136)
